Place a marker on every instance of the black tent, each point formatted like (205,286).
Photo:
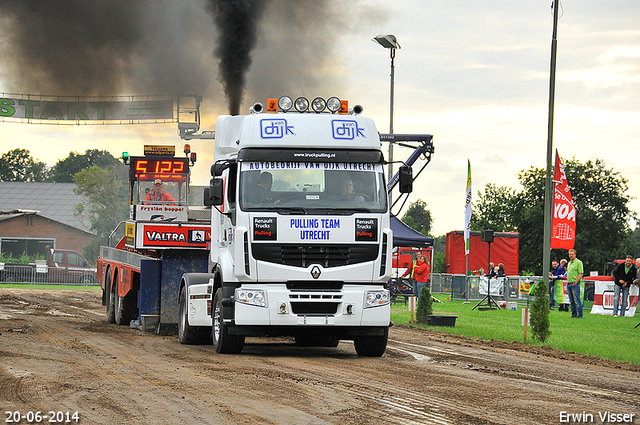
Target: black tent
(404,235)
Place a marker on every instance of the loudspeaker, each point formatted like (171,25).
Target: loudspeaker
(487,236)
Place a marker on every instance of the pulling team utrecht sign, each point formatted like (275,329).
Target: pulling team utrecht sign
(563,223)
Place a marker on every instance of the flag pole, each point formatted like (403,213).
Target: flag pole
(548,191)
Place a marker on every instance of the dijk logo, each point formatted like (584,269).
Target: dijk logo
(275,129)
(346,129)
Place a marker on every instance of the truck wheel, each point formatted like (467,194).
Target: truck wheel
(124,307)
(109,300)
(223,343)
(371,346)
(190,334)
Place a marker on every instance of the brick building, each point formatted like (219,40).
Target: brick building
(34,214)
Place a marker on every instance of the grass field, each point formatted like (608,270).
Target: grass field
(607,337)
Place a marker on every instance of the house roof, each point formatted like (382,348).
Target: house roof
(55,201)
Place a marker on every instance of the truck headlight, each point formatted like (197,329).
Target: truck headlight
(251,296)
(377,298)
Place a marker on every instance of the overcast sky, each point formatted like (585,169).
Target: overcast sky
(474,74)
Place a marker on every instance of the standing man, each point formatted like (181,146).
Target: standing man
(575,271)
(623,277)
(556,272)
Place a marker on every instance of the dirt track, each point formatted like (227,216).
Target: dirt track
(58,354)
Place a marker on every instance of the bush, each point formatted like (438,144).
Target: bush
(540,313)
(425,305)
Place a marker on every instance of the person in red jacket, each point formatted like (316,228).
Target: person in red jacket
(157,194)
(420,272)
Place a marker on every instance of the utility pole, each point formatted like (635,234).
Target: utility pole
(548,189)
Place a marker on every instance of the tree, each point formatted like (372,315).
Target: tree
(425,305)
(540,313)
(107,192)
(18,165)
(65,169)
(418,217)
(602,226)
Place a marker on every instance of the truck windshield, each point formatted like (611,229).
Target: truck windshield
(312,187)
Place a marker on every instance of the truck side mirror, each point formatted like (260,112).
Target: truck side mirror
(406,179)
(214,194)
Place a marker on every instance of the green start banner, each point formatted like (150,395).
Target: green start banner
(91,110)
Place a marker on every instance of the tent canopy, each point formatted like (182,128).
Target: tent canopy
(404,235)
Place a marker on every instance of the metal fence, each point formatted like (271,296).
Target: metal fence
(471,288)
(42,274)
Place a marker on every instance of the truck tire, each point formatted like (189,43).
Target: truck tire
(371,346)
(124,307)
(223,343)
(109,299)
(190,334)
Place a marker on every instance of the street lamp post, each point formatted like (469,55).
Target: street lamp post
(389,41)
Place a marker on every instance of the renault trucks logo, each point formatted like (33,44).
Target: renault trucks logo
(366,229)
(315,272)
(346,129)
(275,129)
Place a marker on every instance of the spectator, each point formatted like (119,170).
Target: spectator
(623,276)
(557,271)
(575,271)
(501,272)
(493,272)
(420,272)
(157,194)
(563,306)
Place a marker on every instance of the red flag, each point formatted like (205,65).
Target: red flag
(563,222)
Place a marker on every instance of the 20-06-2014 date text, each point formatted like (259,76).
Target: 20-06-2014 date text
(41,417)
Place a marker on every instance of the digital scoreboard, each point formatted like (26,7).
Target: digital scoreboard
(146,167)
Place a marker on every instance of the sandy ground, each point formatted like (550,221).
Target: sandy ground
(57,354)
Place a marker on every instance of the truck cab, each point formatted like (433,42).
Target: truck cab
(300,238)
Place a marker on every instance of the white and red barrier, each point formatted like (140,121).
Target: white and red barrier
(603,298)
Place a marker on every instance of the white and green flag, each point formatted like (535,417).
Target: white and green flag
(467,212)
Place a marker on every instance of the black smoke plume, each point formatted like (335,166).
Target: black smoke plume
(134,47)
(237,23)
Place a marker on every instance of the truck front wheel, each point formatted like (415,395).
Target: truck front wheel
(190,334)
(223,343)
(371,346)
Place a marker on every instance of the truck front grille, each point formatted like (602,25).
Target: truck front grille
(322,308)
(305,255)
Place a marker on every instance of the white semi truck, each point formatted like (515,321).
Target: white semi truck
(300,236)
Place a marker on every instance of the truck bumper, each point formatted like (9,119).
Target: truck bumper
(312,309)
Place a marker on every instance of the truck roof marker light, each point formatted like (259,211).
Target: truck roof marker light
(357,109)
(187,149)
(333,104)
(318,104)
(193,158)
(272,105)
(344,107)
(125,157)
(302,104)
(285,103)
